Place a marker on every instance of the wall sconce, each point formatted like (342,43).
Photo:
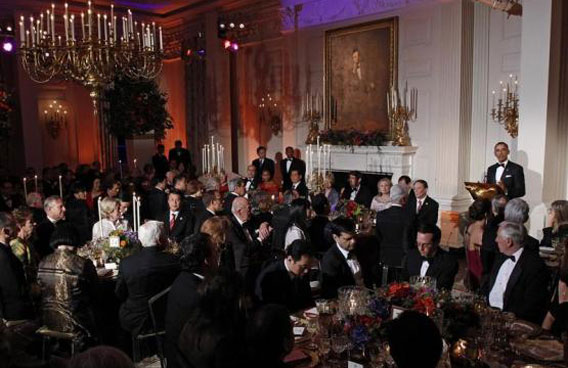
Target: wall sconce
(269,113)
(55,118)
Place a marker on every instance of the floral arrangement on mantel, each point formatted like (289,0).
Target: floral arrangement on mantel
(6,110)
(353,137)
(137,107)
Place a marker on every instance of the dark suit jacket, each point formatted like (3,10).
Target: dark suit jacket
(17,201)
(183,226)
(254,183)
(443,267)
(79,215)
(526,294)
(43,236)
(181,156)
(200,219)
(302,189)
(363,196)
(275,285)
(156,204)
(160,163)
(392,234)
(316,232)
(182,298)
(140,277)
(428,215)
(335,272)
(228,202)
(267,164)
(193,205)
(14,301)
(513,177)
(297,164)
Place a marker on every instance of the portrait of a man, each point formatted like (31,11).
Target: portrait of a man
(360,67)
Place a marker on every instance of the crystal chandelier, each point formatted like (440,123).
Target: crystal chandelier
(92,50)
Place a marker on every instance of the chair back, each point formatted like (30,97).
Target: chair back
(158,306)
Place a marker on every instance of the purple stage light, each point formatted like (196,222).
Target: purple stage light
(8,46)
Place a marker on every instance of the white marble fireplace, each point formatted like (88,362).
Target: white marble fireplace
(374,159)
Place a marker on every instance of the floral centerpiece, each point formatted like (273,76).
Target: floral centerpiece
(118,245)
(363,329)
(352,210)
(353,137)
(422,299)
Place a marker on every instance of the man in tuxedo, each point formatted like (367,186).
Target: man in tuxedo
(55,213)
(392,229)
(354,191)
(194,198)
(213,206)
(506,174)
(160,161)
(251,182)
(181,156)
(178,222)
(262,163)
(15,303)
(157,201)
(286,282)
(298,184)
(339,266)
(404,182)
(428,259)
(316,229)
(143,275)
(247,247)
(519,279)
(287,165)
(237,188)
(489,249)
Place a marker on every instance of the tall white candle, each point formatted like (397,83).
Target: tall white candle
(25,189)
(35,182)
(105,26)
(72,25)
(100,218)
(60,187)
(120,167)
(22,31)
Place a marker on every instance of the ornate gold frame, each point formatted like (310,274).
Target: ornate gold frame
(392,25)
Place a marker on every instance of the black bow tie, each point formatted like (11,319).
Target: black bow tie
(512,258)
(502,165)
(427,259)
(351,255)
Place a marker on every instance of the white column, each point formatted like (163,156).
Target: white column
(536,123)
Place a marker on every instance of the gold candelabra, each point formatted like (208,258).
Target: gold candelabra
(312,112)
(505,110)
(400,111)
(55,117)
(511,7)
(94,49)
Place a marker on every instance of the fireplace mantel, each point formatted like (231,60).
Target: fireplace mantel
(374,159)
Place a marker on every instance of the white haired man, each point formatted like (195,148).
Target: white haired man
(143,275)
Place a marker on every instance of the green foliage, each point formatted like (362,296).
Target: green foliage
(353,137)
(137,108)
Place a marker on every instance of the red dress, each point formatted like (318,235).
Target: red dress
(270,187)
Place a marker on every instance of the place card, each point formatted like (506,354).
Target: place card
(299,331)
(114,241)
(351,364)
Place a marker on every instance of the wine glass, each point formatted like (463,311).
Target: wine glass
(312,327)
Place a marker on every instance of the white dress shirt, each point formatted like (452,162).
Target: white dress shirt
(499,171)
(293,233)
(424,268)
(354,193)
(288,164)
(353,264)
(497,293)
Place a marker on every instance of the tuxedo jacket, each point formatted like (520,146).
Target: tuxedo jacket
(335,272)
(526,294)
(160,163)
(14,301)
(183,225)
(156,204)
(297,164)
(513,177)
(253,183)
(194,205)
(392,234)
(302,189)
(428,212)
(140,277)
(316,230)
(275,285)
(200,219)
(181,156)
(363,196)
(443,267)
(267,164)
(247,252)
(43,233)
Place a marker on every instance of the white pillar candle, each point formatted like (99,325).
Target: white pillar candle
(60,187)
(25,189)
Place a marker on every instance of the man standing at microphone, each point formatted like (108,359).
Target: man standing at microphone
(506,174)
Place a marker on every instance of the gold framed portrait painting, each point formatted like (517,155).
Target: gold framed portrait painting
(360,66)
